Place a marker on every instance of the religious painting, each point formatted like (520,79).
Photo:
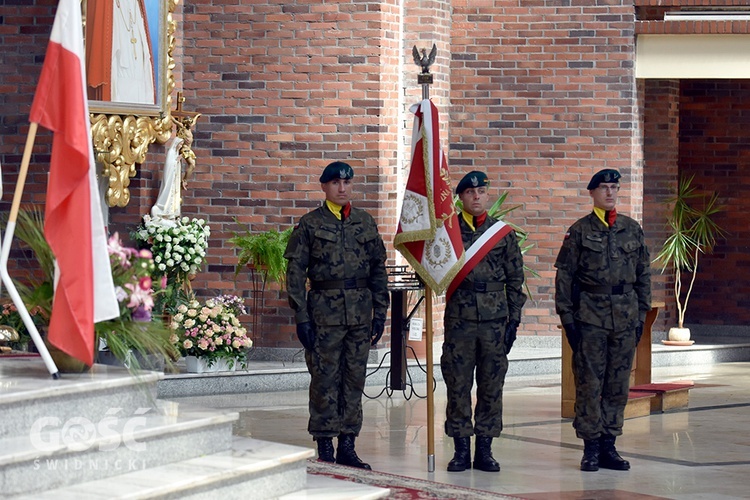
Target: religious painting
(126,58)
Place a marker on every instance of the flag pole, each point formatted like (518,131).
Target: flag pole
(5,252)
(425,79)
(430,395)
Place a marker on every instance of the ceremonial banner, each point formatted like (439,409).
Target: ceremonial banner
(428,235)
(74,226)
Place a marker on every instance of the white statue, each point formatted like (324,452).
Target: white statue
(167,207)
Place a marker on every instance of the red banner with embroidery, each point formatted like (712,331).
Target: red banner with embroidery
(428,235)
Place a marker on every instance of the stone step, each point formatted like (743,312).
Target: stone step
(250,469)
(32,394)
(61,453)
(530,356)
(327,488)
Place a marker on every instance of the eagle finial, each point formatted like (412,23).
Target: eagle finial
(424,60)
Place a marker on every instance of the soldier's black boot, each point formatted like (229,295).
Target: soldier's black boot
(462,456)
(345,454)
(608,456)
(590,460)
(483,459)
(325,449)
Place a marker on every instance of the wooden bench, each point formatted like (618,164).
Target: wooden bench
(667,396)
(640,373)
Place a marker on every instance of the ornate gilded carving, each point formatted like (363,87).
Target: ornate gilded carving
(122,141)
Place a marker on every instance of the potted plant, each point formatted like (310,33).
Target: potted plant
(692,231)
(264,251)
(128,337)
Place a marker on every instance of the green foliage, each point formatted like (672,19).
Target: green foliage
(498,211)
(35,288)
(143,337)
(121,334)
(692,232)
(263,250)
(30,230)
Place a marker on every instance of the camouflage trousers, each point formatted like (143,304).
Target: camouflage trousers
(337,366)
(601,369)
(471,345)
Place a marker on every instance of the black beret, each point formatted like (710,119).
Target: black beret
(336,170)
(473,179)
(606,175)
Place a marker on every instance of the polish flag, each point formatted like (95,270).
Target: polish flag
(74,226)
(428,235)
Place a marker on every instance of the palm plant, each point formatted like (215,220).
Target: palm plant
(692,232)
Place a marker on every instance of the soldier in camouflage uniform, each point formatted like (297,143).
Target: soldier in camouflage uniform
(338,249)
(602,294)
(481,318)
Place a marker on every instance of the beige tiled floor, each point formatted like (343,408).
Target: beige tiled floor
(699,452)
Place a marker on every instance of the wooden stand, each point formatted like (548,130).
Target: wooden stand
(640,373)
(665,396)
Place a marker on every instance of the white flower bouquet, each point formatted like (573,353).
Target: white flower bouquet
(178,247)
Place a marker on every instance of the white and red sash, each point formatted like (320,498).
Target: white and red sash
(477,252)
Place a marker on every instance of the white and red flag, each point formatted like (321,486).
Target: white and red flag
(74,226)
(477,251)
(428,235)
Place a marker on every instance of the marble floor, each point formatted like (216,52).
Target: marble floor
(702,452)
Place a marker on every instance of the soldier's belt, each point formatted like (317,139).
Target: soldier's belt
(608,290)
(349,284)
(481,286)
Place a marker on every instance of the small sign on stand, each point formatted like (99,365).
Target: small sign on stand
(415,329)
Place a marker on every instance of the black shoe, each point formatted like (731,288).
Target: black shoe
(462,456)
(345,454)
(590,460)
(608,456)
(483,459)
(325,449)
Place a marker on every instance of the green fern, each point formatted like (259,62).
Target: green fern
(263,250)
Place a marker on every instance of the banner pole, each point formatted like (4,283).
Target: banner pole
(430,383)
(5,252)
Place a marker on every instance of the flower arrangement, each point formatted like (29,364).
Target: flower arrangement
(131,273)
(178,247)
(10,320)
(212,330)
(134,329)
(127,337)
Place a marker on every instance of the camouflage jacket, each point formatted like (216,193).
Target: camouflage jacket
(595,255)
(324,249)
(502,265)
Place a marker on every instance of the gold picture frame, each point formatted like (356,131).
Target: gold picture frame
(123,128)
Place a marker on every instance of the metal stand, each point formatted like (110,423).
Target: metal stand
(400,282)
(258,282)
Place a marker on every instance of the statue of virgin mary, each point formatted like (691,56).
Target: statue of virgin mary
(167,206)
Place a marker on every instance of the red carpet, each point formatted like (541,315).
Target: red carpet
(402,488)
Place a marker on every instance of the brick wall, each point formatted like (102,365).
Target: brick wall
(286,89)
(539,95)
(542,97)
(714,138)
(661,151)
